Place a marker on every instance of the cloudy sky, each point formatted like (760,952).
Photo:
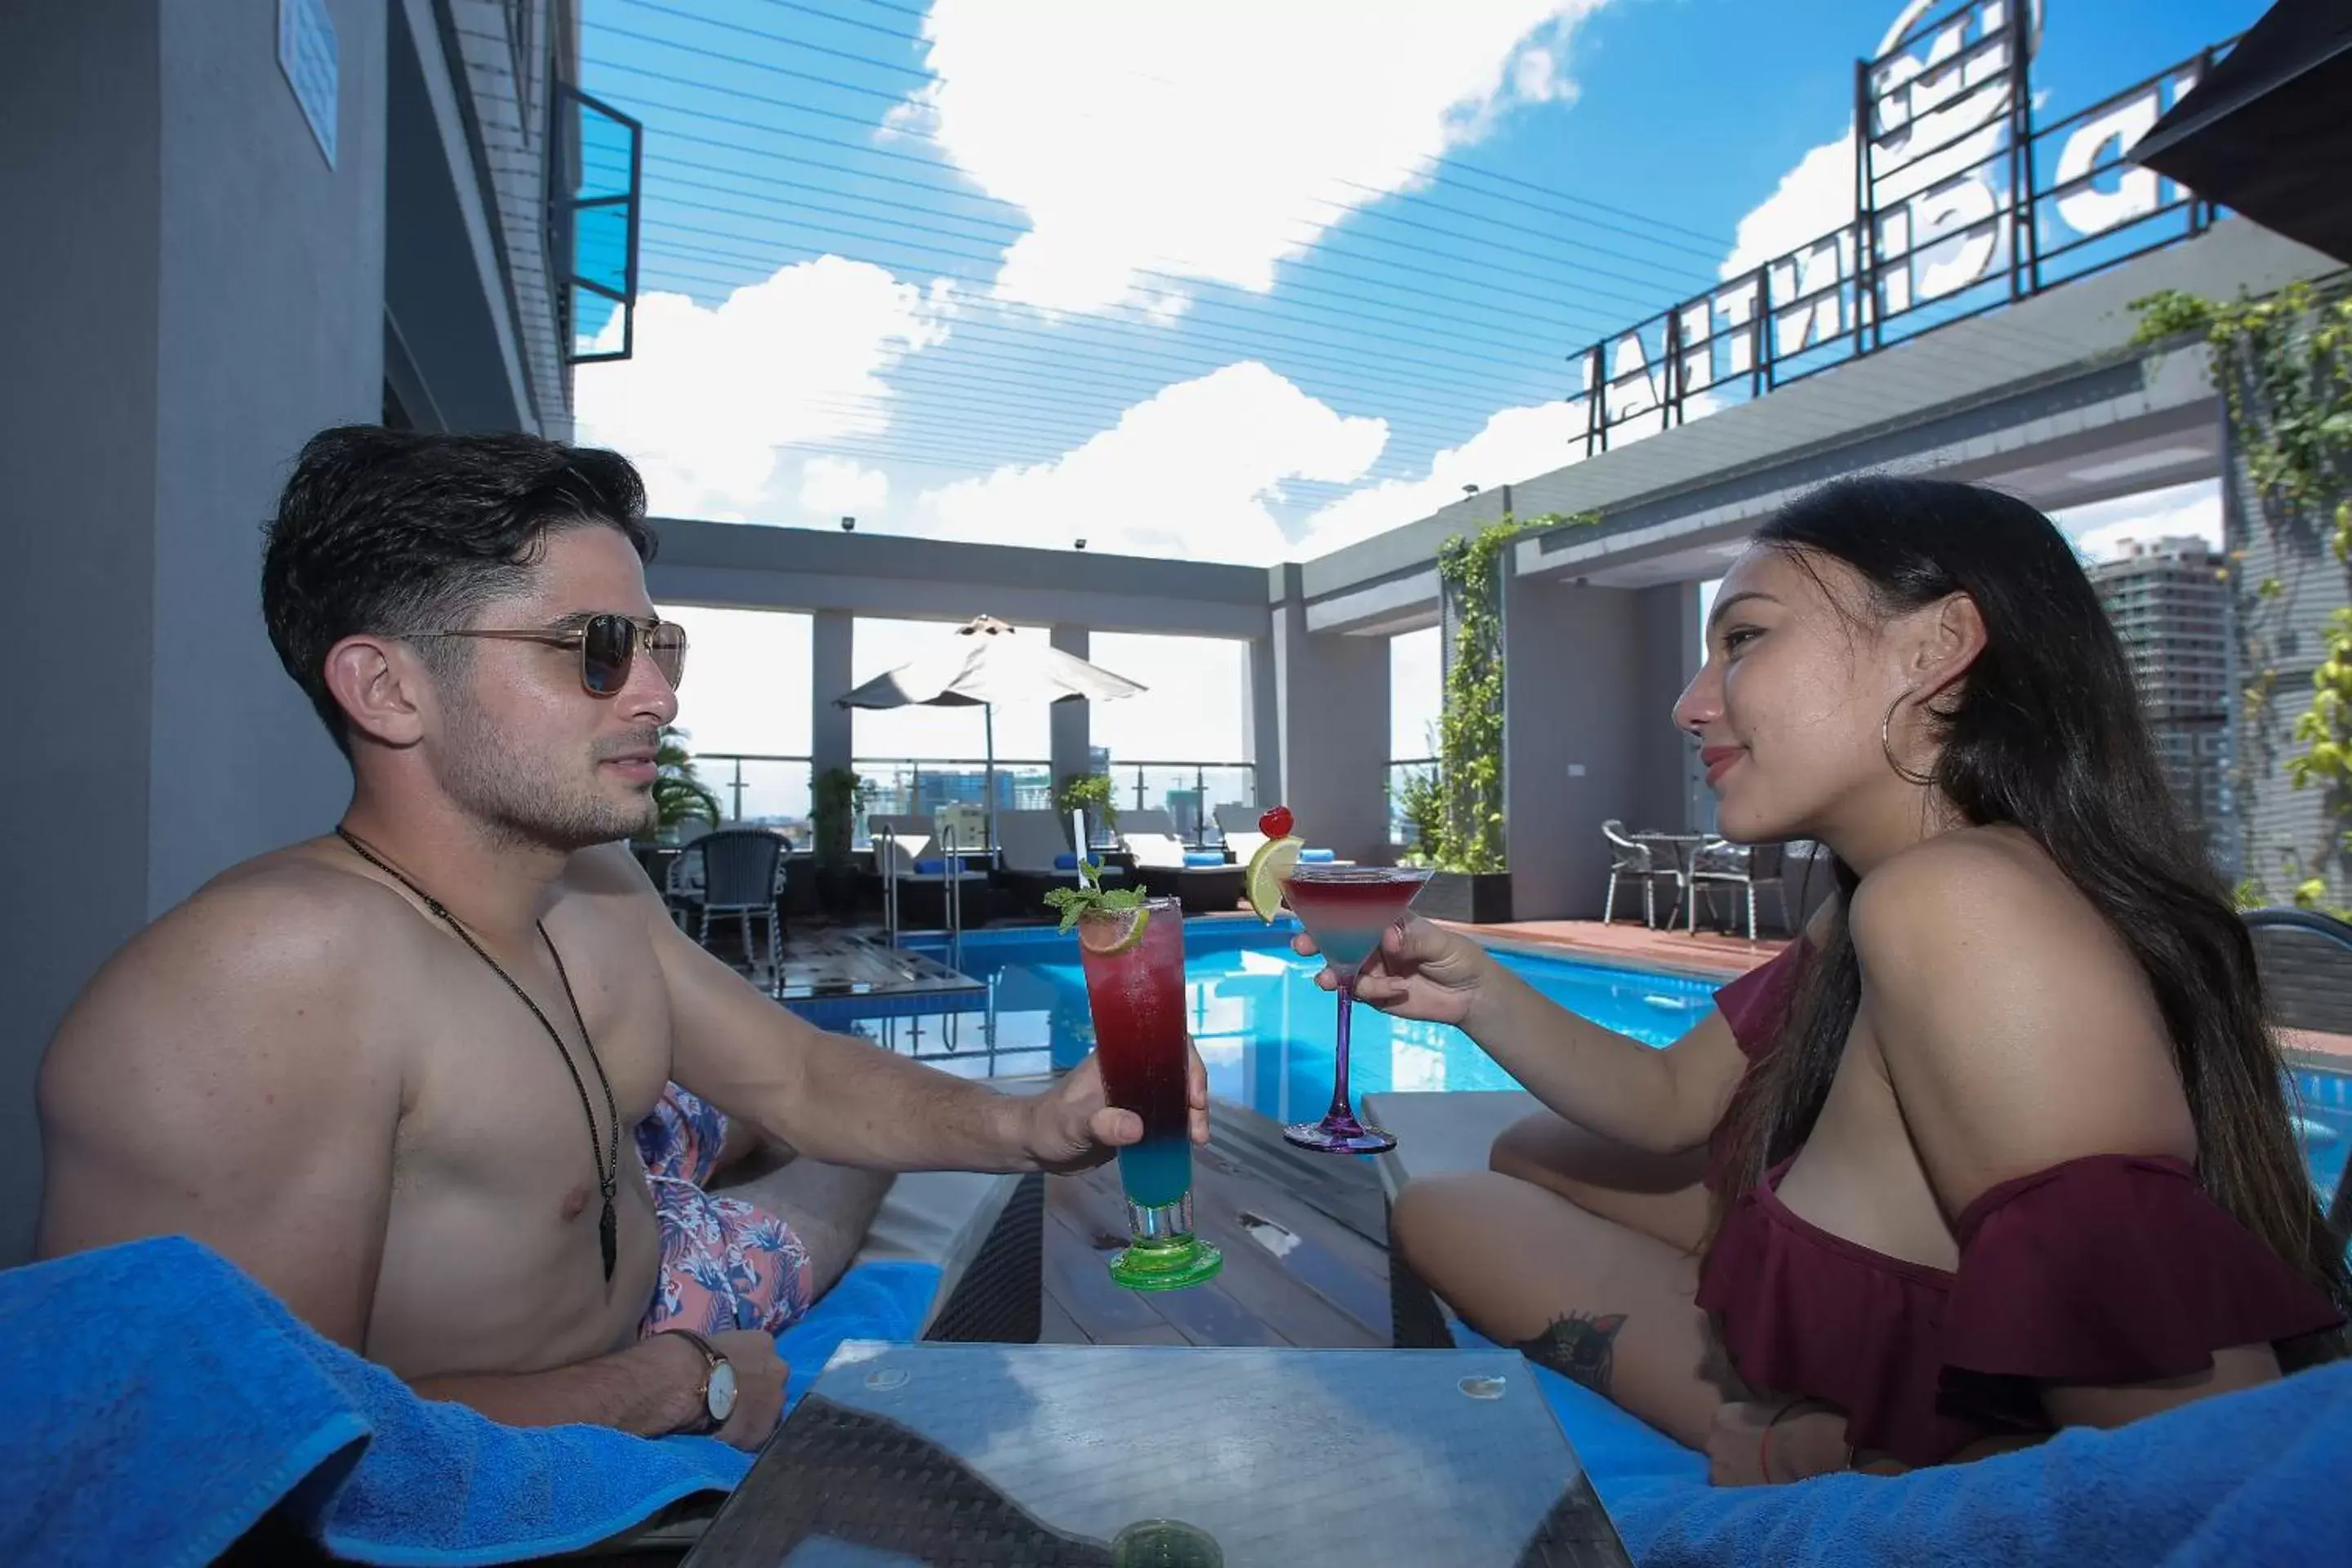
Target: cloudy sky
(1217,279)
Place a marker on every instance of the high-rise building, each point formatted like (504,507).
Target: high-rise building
(2168,600)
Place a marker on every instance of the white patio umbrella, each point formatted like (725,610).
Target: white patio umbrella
(987,662)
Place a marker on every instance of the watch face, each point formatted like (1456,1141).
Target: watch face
(722,1390)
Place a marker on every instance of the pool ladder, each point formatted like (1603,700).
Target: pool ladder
(886,843)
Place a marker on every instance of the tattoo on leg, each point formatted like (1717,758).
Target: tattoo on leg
(1579,1346)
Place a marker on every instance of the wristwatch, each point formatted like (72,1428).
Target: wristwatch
(717,1391)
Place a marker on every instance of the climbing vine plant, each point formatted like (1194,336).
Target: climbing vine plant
(1469,815)
(2283,365)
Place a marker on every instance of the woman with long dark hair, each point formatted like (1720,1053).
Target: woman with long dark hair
(2001,1145)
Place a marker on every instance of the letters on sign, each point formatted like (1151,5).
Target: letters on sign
(1939,162)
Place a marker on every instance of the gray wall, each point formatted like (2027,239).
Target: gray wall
(1574,699)
(272,327)
(1332,696)
(1666,634)
(78,302)
(189,291)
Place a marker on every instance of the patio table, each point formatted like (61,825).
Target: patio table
(1172,1456)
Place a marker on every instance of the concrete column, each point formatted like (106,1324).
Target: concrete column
(1263,735)
(831,633)
(189,291)
(1333,694)
(1575,713)
(1072,722)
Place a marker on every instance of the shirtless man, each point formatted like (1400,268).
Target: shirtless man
(312,1069)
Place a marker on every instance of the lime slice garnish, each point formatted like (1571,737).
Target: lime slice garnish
(1267,867)
(1108,931)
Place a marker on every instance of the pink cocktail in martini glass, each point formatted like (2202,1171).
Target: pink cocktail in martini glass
(1347,909)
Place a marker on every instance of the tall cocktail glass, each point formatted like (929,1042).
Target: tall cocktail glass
(1135,986)
(1347,909)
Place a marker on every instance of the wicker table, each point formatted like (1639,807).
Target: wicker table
(957,1454)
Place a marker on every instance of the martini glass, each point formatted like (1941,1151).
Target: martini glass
(1135,987)
(1347,909)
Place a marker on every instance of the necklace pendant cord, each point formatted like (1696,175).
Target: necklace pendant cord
(608,1166)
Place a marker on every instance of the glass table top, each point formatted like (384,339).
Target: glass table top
(1168,1458)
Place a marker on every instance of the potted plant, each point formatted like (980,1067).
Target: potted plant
(838,797)
(679,794)
(1088,793)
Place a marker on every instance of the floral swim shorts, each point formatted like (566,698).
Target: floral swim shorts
(726,1264)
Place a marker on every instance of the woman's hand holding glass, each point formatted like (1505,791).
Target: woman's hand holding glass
(1420,971)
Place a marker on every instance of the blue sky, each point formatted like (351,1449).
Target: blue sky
(1226,279)
(1323,259)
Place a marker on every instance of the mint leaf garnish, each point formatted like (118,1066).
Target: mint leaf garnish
(1089,895)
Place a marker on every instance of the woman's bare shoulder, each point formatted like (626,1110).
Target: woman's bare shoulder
(2018,1027)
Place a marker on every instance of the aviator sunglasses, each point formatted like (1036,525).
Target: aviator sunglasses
(608,646)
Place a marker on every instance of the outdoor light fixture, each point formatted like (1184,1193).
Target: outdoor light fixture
(1082,544)
(1469,489)
(848,525)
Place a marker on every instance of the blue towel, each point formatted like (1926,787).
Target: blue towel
(1316,857)
(1202,858)
(2256,1476)
(1070,862)
(160,1403)
(872,1301)
(935,866)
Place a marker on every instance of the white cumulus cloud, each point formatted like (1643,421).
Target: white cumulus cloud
(2101,530)
(842,486)
(1514,444)
(1186,474)
(795,359)
(1211,139)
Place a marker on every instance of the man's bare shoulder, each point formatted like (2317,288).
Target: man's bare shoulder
(607,870)
(285,935)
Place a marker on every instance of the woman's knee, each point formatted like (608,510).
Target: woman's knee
(1528,1148)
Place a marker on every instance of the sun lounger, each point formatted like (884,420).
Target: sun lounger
(1034,858)
(1237,824)
(1166,870)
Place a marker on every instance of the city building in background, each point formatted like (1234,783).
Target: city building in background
(2169,602)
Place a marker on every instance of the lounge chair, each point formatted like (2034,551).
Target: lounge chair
(1034,858)
(1237,824)
(1205,883)
(2305,962)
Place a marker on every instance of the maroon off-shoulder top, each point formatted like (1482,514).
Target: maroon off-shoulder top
(2111,1268)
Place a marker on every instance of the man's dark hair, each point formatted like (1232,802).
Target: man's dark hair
(389,532)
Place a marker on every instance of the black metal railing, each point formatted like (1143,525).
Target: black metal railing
(1969,221)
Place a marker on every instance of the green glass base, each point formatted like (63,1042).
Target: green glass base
(1169,1264)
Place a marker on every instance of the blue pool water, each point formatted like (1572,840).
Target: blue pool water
(1264,1029)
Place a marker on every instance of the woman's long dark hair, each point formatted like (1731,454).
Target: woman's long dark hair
(2044,733)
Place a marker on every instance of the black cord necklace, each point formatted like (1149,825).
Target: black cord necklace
(608,1166)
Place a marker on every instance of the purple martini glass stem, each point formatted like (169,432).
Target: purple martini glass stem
(1340,1113)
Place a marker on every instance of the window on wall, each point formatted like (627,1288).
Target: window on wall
(744,711)
(1416,700)
(1178,746)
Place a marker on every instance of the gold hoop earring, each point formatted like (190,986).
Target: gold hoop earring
(1886,746)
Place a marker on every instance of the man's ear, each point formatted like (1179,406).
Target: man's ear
(382,687)
(1951,636)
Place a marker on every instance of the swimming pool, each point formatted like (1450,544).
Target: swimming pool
(1264,1029)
